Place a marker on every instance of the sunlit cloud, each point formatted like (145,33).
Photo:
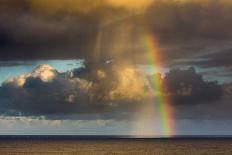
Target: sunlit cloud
(114,37)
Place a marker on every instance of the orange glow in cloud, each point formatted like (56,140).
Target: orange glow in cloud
(131,4)
(51,7)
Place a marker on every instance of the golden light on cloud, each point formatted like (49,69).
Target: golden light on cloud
(131,4)
(17,81)
(44,72)
(130,84)
(51,7)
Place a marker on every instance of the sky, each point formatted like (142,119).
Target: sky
(16,68)
(126,67)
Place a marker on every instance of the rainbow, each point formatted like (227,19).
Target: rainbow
(160,101)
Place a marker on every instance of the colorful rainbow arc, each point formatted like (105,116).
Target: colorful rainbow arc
(157,92)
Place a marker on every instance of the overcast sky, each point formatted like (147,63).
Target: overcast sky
(81,66)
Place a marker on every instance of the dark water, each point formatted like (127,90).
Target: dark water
(114,146)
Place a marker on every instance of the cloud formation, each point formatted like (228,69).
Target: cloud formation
(53,7)
(220,58)
(112,90)
(47,91)
(77,29)
(186,86)
(174,20)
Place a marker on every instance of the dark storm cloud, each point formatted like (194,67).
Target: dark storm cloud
(192,28)
(211,110)
(64,31)
(187,86)
(195,98)
(28,34)
(30,37)
(174,20)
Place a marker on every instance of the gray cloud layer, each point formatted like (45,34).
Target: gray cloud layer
(64,31)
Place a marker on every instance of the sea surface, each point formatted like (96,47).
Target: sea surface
(114,146)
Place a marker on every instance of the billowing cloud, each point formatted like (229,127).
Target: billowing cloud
(186,86)
(111,90)
(47,91)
